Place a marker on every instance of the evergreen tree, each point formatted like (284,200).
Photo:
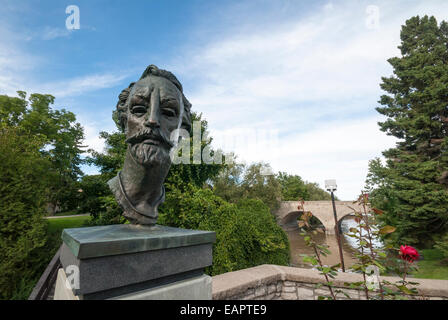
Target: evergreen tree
(412,186)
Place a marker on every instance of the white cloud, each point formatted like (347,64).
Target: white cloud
(50,33)
(341,151)
(17,69)
(14,62)
(92,140)
(314,78)
(79,85)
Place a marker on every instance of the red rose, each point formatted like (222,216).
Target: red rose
(409,253)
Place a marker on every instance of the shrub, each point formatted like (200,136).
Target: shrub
(246,233)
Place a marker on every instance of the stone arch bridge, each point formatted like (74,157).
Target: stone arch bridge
(288,213)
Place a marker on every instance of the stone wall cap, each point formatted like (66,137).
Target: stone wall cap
(231,284)
(93,242)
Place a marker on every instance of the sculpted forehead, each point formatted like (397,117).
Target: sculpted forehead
(147,85)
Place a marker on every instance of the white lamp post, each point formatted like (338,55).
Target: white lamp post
(331,186)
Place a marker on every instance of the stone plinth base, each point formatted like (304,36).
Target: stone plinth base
(136,262)
(198,288)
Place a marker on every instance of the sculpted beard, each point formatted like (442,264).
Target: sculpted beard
(145,153)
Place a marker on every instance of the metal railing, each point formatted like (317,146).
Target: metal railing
(47,280)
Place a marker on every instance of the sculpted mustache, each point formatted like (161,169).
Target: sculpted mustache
(147,134)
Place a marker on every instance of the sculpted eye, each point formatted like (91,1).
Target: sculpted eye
(138,110)
(169,107)
(168,112)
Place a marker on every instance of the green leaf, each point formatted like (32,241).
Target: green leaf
(311,260)
(404,289)
(387,230)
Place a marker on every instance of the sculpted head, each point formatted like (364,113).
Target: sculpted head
(149,110)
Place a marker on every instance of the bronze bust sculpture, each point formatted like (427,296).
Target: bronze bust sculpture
(149,111)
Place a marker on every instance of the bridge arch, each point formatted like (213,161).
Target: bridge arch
(288,212)
(348,215)
(289,221)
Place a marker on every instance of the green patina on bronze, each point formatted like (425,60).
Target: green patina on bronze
(93,242)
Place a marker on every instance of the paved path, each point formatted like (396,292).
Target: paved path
(71,216)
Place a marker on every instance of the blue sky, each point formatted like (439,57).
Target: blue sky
(305,73)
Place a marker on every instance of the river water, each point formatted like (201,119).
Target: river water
(298,246)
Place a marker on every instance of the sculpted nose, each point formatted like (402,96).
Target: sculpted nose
(152,119)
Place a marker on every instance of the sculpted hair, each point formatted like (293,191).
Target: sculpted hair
(122,105)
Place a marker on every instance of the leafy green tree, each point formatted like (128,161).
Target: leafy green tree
(238,181)
(110,161)
(92,190)
(24,187)
(227,184)
(293,188)
(62,139)
(415,176)
(315,193)
(181,175)
(257,185)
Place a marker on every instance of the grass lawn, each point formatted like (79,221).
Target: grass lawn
(430,267)
(56,225)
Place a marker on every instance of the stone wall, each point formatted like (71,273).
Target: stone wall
(268,282)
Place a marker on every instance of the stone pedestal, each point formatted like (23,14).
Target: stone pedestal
(135,262)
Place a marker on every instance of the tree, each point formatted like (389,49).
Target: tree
(24,187)
(415,176)
(315,193)
(181,175)
(62,138)
(257,185)
(227,184)
(293,188)
(238,181)
(90,196)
